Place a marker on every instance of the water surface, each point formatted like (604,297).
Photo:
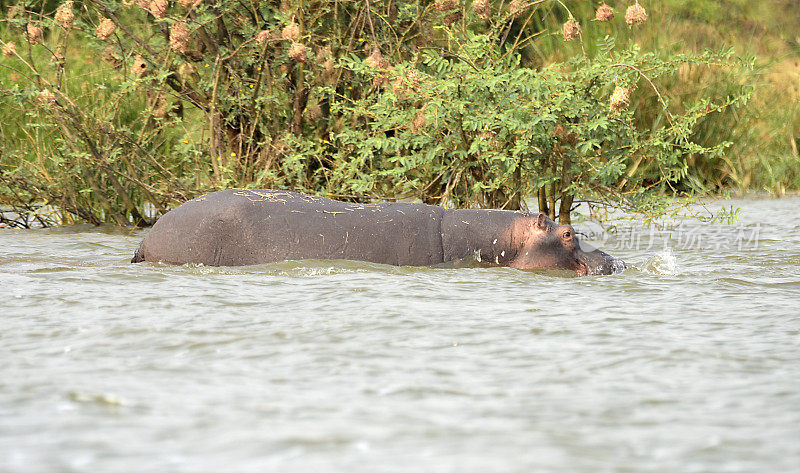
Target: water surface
(689,361)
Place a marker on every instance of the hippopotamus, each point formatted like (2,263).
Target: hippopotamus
(245,227)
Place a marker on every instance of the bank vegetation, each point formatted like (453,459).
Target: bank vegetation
(118,111)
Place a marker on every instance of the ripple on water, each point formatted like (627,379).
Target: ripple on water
(687,361)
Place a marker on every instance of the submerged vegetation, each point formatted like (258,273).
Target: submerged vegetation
(117,111)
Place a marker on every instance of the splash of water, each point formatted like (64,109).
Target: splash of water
(663,262)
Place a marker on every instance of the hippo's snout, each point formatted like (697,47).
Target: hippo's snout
(594,261)
(607,264)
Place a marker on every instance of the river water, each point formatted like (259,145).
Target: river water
(689,361)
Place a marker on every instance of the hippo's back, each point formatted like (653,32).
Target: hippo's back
(242,227)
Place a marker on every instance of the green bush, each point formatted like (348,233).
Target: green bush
(439,101)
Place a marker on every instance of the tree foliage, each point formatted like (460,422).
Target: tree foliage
(393,99)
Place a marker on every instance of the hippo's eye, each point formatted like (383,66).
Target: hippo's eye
(567,234)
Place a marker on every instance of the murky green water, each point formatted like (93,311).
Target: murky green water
(688,362)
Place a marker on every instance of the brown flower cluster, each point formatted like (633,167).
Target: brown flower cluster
(483,8)
(46,98)
(64,15)
(413,77)
(446,5)
(291,32)
(604,13)
(262,37)
(635,14)
(105,29)
(571,30)
(420,121)
(139,67)
(158,8)
(517,8)
(33,34)
(10,49)
(189,3)
(179,37)
(298,52)
(620,99)
(376,60)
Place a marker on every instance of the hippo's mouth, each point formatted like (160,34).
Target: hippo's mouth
(582,269)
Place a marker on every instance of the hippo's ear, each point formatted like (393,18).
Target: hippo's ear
(541,221)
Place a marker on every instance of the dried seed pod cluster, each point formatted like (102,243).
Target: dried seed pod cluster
(564,136)
(483,8)
(33,34)
(262,37)
(329,66)
(446,5)
(620,99)
(158,8)
(179,37)
(399,87)
(413,78)
(376,60)
(46,97)
(328,74)
(64,15)
(635,14)
(516,8)
(291,32)
(419,122)
(189,3)
(298,53)
(105,29)
(9,49)
(139,67)
(571,30)
(604,13)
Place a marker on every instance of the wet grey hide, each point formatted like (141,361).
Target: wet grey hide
(244,227)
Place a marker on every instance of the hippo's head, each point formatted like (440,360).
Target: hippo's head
(548,245)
